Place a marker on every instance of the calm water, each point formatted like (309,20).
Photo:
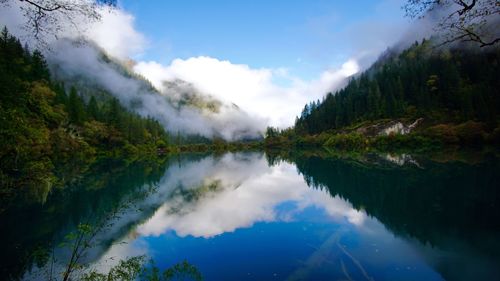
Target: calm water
(248,216)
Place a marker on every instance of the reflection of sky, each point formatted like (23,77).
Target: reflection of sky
(241,204)
(265,223)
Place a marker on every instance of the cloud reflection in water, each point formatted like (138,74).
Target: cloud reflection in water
(237,191)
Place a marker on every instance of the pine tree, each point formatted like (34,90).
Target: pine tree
(92,109)
(414,83)
(39,69)
(75,107)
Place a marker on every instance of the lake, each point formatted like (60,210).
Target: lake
(275,216)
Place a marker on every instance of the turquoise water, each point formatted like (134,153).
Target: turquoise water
(251,216)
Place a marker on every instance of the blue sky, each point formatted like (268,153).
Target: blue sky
(305,37)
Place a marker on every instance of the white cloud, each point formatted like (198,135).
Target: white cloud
(254,90)
(249,192)
(116,34)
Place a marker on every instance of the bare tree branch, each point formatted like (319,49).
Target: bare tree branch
(45,18)
(43,8)
(462,21)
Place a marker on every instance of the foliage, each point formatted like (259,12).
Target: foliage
(182,270)
(442,85)
(444,132)
(455,91)
(126,270)
(469,133)
(343,141)
(134,268)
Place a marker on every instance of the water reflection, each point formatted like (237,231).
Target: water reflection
(250,216)
(241,197)
(237,192)
(447,210)
(28,232)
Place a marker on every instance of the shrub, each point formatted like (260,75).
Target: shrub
(445,133)
(346,141)
(494,137)
(470,132)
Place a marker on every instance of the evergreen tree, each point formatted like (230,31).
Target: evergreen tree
(39,121)
(75,107)
(453,85)
(92,109)
(39,67)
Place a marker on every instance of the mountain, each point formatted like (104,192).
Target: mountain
(178,106)
(181,93)
(442,86)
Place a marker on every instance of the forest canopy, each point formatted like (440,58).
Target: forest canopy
(448,85)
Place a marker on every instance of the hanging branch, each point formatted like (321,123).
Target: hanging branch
(466,21)
(45,18)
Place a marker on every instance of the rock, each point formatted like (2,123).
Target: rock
(386,128)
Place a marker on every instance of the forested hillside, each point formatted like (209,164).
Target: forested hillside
(440,85)
(45,125)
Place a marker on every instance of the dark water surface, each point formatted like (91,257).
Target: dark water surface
(251,216)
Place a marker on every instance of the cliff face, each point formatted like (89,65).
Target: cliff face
(391,127)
